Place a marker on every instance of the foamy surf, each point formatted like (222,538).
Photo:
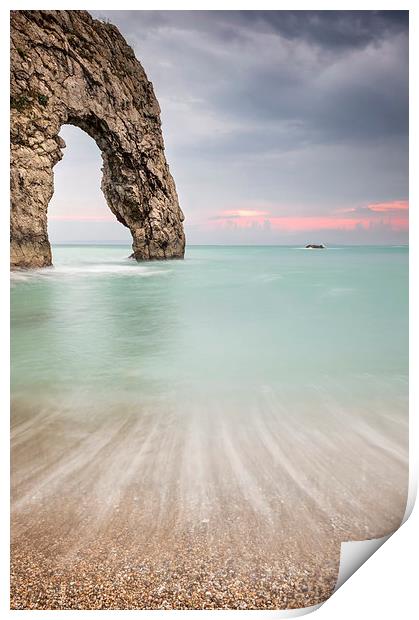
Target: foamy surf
(87,270)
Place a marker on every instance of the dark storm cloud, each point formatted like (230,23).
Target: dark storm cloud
(333,30)
(328,75)
(355,104)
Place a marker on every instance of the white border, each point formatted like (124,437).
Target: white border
(381,569)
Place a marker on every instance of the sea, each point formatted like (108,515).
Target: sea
(191,406)
(227,321)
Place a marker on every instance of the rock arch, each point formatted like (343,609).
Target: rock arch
(67,68)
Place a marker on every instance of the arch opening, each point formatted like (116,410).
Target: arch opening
(78,211)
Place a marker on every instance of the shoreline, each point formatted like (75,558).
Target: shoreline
(163,509)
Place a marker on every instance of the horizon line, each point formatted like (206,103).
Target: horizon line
(239,245)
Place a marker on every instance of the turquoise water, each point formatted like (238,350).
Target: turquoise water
(225,322)
(261,391)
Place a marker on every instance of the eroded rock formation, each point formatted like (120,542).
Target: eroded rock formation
(67,68)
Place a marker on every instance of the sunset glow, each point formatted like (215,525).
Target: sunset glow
(392,214)
(244,213)
(386,207)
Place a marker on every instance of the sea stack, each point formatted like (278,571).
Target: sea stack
(68,68)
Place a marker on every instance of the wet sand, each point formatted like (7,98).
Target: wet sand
(124,507)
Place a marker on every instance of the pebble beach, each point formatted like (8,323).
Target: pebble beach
(139,514)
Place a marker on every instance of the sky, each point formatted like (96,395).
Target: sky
(280,127)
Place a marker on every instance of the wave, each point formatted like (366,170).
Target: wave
(338,291)
(88,270)
(270,277)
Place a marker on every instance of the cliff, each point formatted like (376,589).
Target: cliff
(67,68)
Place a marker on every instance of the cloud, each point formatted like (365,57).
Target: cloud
(241,213)
(280,77)
(399,208)
(297,114)
(332,30)
(389,207)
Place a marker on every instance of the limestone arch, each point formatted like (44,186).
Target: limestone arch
(67,68)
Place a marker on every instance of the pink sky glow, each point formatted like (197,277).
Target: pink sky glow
(393,214)
(386,207)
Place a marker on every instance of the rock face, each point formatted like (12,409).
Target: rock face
(67,68)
